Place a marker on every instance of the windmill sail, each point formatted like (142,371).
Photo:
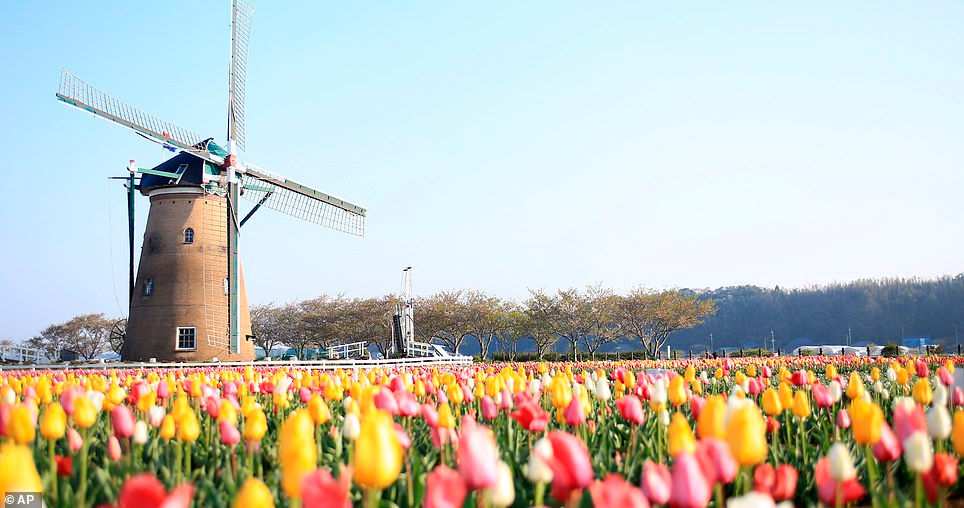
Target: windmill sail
(80,94)
(242,14)
(287,196)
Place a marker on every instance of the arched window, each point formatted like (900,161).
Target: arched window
(148,286)
(226,286)
(188,235)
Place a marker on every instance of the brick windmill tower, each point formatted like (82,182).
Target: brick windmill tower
(187,300)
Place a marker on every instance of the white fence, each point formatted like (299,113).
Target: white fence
(314,364)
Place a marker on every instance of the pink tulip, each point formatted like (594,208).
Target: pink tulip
(113,449)
(229,433)
(615,492)
(843,419)
(696,406)
(320,490)
(212,405)
(67,398)
(407,405)
(631,409)
(656,482)
(506,403)
(947,379)
(821,395)
(430,415)
(716,454)
(402,436)
(489,409)
(887,448)
(570,464)
(74,441)
(444,489)
(163,391)
(5,411)
(691,489)
(574,414)
(155,416)
(909,418)
(478,455)
(385,401)
(122,419)
(958,397)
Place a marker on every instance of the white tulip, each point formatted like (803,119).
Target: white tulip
(841,463)
(537,470)
(891,374)
(534,387)
(835,390)
(502,494)
(351,428)
(940,394)
(658,394)
(939,423)
(140,432)
(664,418)
(603,392)
(97,398)
(918,454)
(753,499)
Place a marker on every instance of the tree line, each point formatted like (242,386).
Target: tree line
(584,320)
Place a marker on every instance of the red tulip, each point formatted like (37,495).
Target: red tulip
(614,492)
(800,378)
(944,470)
(851,490)
(786,483)
(478,455)
(922,370)
(696,406)
(146,491)
(531,416)
(691,488)
(631,409)
(656,482)
(320,490)
(571,468)
(445,489)
(772,425)
(764,478)
(65,465)
(887,448)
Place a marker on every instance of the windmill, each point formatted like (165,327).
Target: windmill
(187,301)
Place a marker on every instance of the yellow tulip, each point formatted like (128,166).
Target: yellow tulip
(181,408)
(680,436)
(902,376)
(957,435)
(831,371)
(188,430)
(867,421)
(445,418)
(561,392)
(786,396)
(253,494)
(922,391)
(676,391)
(53,423)
(771,402)
(85,414)
(711,420)
(739,378)
(378,454)
(801,404)
(455,394)
(17,470)
(689,374)
(746,435)
(751,370)
(855,386)
(167,427)
(297,453)
(226,412)
(875,373)
(21,424)
(318,410)
(255,425)
(146,400)
(718,373)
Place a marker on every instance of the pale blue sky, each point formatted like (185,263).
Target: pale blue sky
(503,145)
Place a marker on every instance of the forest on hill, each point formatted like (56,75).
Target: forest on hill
(874,310)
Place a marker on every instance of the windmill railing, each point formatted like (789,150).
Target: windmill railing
(311,364)
(348,350)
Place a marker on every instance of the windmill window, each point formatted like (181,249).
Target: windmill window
(189,235)
(226,285)
(148,286)
(186,338)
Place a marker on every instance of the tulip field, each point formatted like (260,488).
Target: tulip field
(800,431)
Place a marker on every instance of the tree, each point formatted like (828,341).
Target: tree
(510,329)
(538,318)
(85,334)
(480,315)
(650,317)
(440,317)
(272,325)
(323,322)
(370,320)
(579,317)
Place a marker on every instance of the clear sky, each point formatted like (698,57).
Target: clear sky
(502,145)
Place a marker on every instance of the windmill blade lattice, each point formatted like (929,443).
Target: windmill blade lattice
(80,94)
(286,196)
(243,13)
